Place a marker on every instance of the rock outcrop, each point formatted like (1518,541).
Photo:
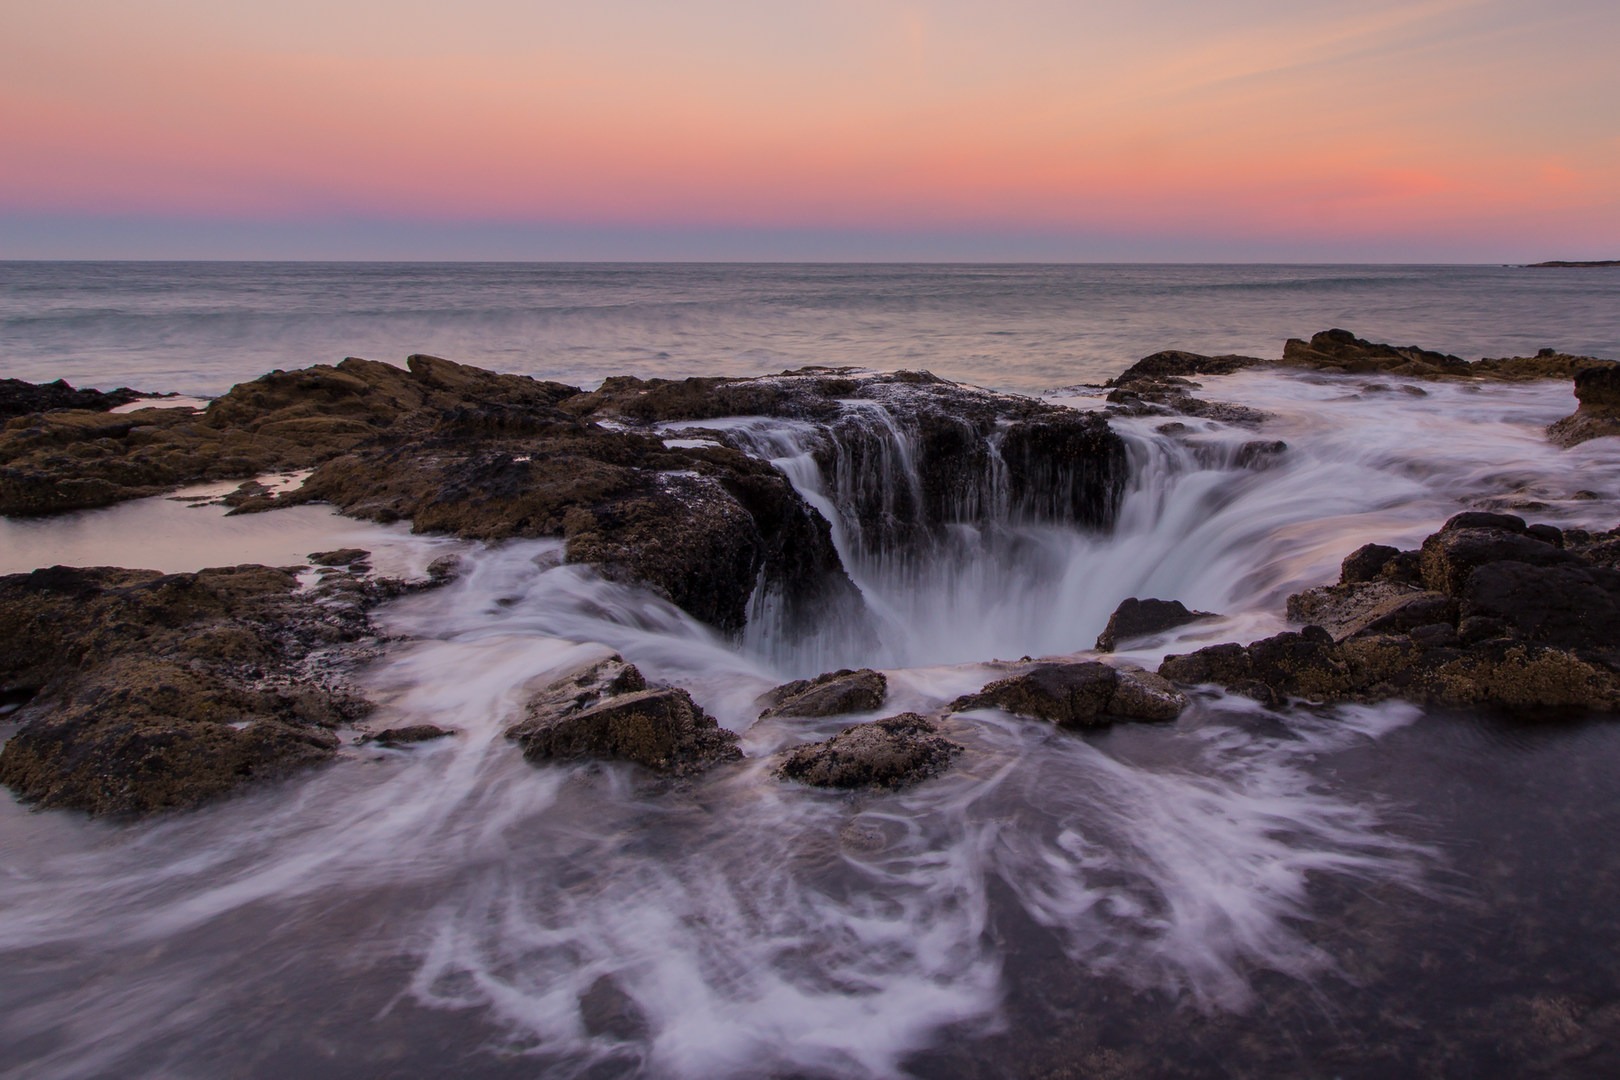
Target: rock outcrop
(1490,611)
(19,398)
(1079,695)
(605,711)
(1598,415)
(143,691)
(1143,618)
(1341,352)
(892,753)
(832,694)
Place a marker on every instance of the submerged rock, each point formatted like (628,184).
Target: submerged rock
(605,711)
(892,753)
(1078,695)
(146,691)
(831,694)
(1141,618)
(1506,614)
(413,733)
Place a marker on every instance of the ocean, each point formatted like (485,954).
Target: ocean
(198,328)
(1299,889)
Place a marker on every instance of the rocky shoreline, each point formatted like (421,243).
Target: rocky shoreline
(135,692)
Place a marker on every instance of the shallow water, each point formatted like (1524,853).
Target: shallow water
(1348,892)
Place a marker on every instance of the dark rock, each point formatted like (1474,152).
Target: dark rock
(413,733)
(1451,555)
(891,753)
(1365,563)
(607,1011)
(19,398)
(1140,618)
(1341,351)
(340,557)
(1378,606)
(1083,694)
(1569,606)
(1259,454)
(148,691)
(1597,389)
(1173,362)
(604,711)
(832,694)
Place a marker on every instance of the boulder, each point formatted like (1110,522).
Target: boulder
(1079,695)
(1376,606)
(1174,362)
(412,733)
(891,753)
(604,710)
(1141,618)
(832,694)
(19,398)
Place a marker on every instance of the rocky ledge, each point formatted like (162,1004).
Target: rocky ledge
(139,691)
(891,753)
(1084,694)
(1489,612)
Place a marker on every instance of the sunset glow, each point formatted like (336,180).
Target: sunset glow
(1447,129)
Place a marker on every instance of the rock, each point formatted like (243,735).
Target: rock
(147,691)
(1376,606)
(1173,362)
(891,753)
(1365,563)
(1077,695)
(1452,554)
(340,557)
(413,733)
(607,1011)
(662,729)
(1597,389)
(19,398)
(578,690)
(1140,618)
(832,694)
(1341,351)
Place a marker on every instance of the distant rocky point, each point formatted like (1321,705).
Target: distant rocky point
(1565,262)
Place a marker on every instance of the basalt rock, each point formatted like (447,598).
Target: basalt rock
(1341,352)
(1079,695)
(1514,616)
(605,711)
(19,398)
(1597,389)
(1174,362)
(832,694)
(146,691)
(1143,618)
(411,733)
(892,753)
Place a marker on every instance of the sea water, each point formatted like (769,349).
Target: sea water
(1352,890)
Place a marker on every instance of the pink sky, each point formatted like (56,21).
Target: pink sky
(1450,129)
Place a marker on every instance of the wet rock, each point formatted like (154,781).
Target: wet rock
(1375,606)
(1510,621)
(1141,618)
(1365,563)
(340,557)
(1077,695)
(19,398)
(1174,362)
(148,691)
(1341,351)
(832,694)
(605,711)
(608,1012)
(413,733)
(891,753)
(1597,389)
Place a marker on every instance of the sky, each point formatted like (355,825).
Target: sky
(1071,130)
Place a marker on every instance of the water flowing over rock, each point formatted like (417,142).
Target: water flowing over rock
(1504,614)
(1079,695)
(1142,618)
(832,694)
(605,711)
(148,691)
(891,753)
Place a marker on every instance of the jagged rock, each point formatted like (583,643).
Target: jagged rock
(1175,363)
(1365,563)
(832,694)
(1341,351)
(1377,606)
(146,691)
(604,710)
(340,557)
(1511,620)
(891,753)
(1140,618)
(1076,695)
(19,398)
(1597,389)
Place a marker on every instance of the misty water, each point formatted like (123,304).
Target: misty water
(1353,891)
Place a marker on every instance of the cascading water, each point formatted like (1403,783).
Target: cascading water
(454,909)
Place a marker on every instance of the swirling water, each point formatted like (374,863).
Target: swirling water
(1248,890)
